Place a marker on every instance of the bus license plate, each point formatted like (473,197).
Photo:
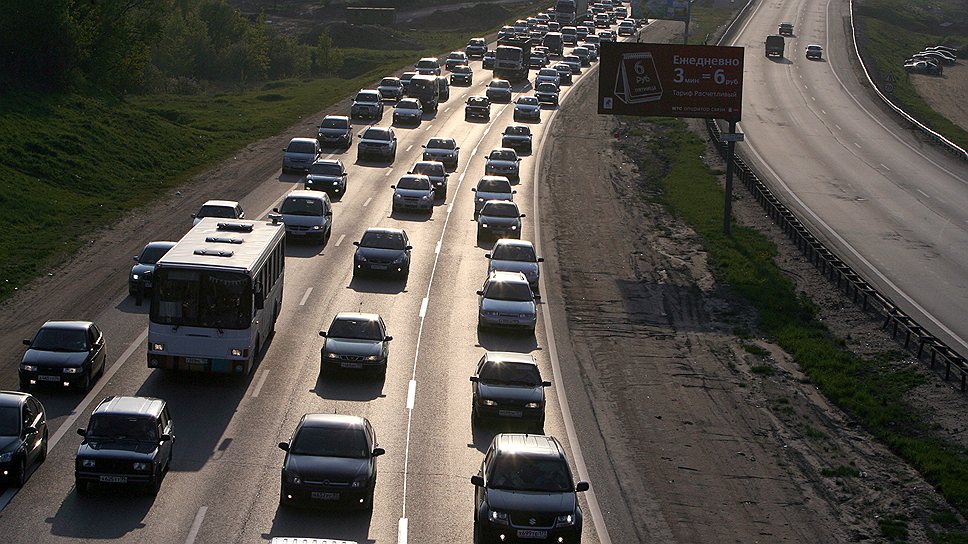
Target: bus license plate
(114,479)
(351,365)
(509,413)
(324,496)
(48,378)
(531,533)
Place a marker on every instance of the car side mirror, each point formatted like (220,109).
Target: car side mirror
(378,452)
(457,148)
(275,210)
(344,174)
(481,293)
(357,244)
(82,432)
(546,384)
(387,338)
(284,446)
(473,189)
(393,186)
(536,297)
(475,379)
(26,342)
(329,213)
(487,255)
(424,146)
(408,248)
(514,192)
(193,215)
(165,437)
(135,258)
(410,172)
(582,486)
(523,215)
(477,480)
(540,259)
(322,333)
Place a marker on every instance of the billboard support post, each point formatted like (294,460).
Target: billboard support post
(728,203)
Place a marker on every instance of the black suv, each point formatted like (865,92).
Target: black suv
(524,492)
(478,107)
(67,353)
(129,440)
(23,436)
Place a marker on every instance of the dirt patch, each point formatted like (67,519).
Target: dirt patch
(946,94)
(728,439)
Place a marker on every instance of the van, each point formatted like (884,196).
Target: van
(554,42)
(428,66)
(426,89)
(443,89)
(308,215)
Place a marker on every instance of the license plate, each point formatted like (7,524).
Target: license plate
(114,479)
(48,378)
(196,361)
(351,365)
(508,322)
(531,533)
(325,496)
(378,266)
(509,413)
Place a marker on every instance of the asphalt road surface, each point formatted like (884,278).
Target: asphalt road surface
(891,205)
(224,481)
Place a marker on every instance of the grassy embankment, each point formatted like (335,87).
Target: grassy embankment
(869,390)
(72,163)
(890,31)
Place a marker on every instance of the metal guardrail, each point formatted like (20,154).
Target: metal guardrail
(945,143)
(903,328)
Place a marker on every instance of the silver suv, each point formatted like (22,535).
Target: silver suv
(506,301)
(300,154)
(307,215)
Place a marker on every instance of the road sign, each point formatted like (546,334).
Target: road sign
(654,79)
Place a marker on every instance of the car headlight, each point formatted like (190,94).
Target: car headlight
(400,260)
(335,184)
(87,463)
(483,225)
(525,315)
(156,346)
(372,357)
(565,520)
(134,277)
(425,197)
(294,479)
(317,227)
(488,402)
(361,258)
(28,368)
(331,355)
(533,405)
(514,227)
(6,457)
(238,352)
(498,517)
(397,196)
(73,370)
(140,466)
(480,200)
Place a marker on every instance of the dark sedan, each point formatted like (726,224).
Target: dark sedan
(357,342)
(327,175)
(23,436)
(477,107)
(508,387)
(517,137)
(382,250)
(139,280)
(330,461)
(64,353)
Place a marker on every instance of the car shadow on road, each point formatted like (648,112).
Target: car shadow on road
(388,286)
(507,340)
(130,305)
(109,512)
(348,385)
(482,435)
(291,178)
(780,60)
(315,524)
(415,217)
(374,164)
(304,249)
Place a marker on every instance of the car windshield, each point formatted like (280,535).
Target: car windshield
(547,88)
(356,329)
(455,55)
(476,42)
(494,185)
(500,84)
(517,131)
(512,291)
(429,169)
(381,239)
(408,104)
(225,212)
(330,442)
(461,69)
(367,97)
(302,206)
(477,102)
(500,209)
(390,82)
(528,101)
(414,183)
(427,64)
(150,254)
(325,169)
(54,339)
(514,252)
(335,123)
(301,147)
(122,427)
(510,373)
(502,155)
(551,72)
(376,134)
(9,421)
(520,473)
(440,143)
(571,58)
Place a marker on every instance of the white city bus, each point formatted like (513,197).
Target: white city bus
(216,296)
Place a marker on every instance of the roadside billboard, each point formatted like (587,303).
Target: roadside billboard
(654,79)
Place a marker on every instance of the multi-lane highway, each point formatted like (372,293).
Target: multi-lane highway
(224,481)
(893,206)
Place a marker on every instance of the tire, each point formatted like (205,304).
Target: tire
(43,447)
(24,386)
(21,479)
(83,487)
(87,382)
(154,486)
(368,502)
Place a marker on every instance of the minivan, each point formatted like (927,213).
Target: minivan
(307,215)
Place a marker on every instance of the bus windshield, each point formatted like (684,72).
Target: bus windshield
(200,298)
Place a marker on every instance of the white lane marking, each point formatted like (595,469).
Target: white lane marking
(387,174)
(196,525)
(402,531)
(340,239)
(926,195)
(823,112)
(305,297)
(411,393)
(409,147)
(474,151)
(838,126)
(95,392)
(857,144)
(885,167)
(446,110)
(462,176)
(367,203)
(260,383)
(450,208)
(437,249)
(423,306)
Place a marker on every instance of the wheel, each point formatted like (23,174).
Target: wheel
(24,386)
(43,447)
(283,503)
(83,487)
(21,473)
(86,384)
(154,486)
(368,502)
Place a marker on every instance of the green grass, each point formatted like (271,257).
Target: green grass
(869,390)
(706,18)
(839,472)
(890,31)
(70,164)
